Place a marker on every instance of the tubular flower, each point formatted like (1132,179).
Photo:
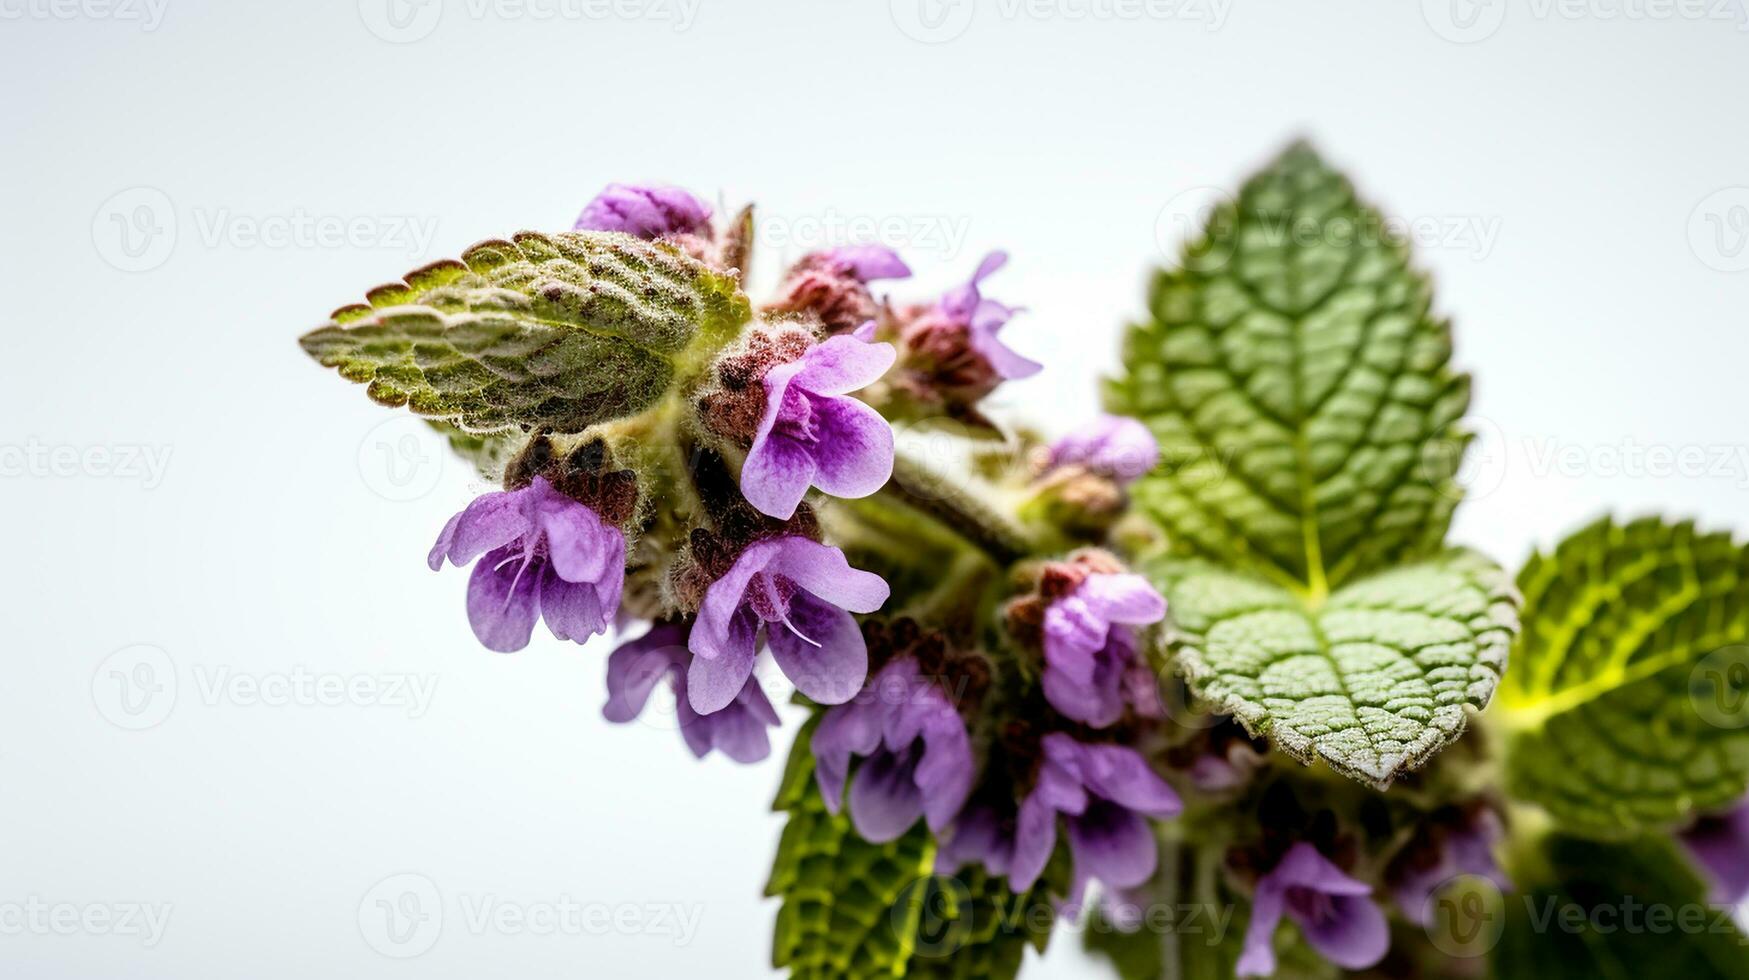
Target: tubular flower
(810,434)
(1334,912)
(801,592)
(917,758)
(1720,845)
(1105,792)
(1090,648)
(960,334)
(645,211)
(737,730)
(1119,448)
(546,556)
(1449,849)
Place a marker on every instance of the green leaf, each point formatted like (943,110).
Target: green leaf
(971,925)
(1299,387)
(556,331)
(1374,680)
(1625,706)
(1596,918)
(853,909)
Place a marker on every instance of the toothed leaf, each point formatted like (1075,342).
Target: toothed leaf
(1636,909)
(1627,700)
(1374,680)
(852,909)
(556,331)
(1299,386)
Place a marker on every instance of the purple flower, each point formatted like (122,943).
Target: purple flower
(803,589)
(738,730)
(1334,912)
(981,834)
(810,435)
(1720,845)
(546,556)
(1225,767)
(1465,847)
(646,211)
(984,318)
(1090,650)
(1113,446)
(1104,791)
(917,759)
(866,262)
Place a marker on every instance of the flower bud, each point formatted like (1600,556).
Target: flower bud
(833,285)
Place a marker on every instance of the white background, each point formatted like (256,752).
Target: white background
(1603,145)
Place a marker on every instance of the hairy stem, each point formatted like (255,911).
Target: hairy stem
(957,506)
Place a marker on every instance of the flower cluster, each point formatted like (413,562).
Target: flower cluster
(1004,701)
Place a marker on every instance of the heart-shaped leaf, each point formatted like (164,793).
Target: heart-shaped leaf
(1374,679)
